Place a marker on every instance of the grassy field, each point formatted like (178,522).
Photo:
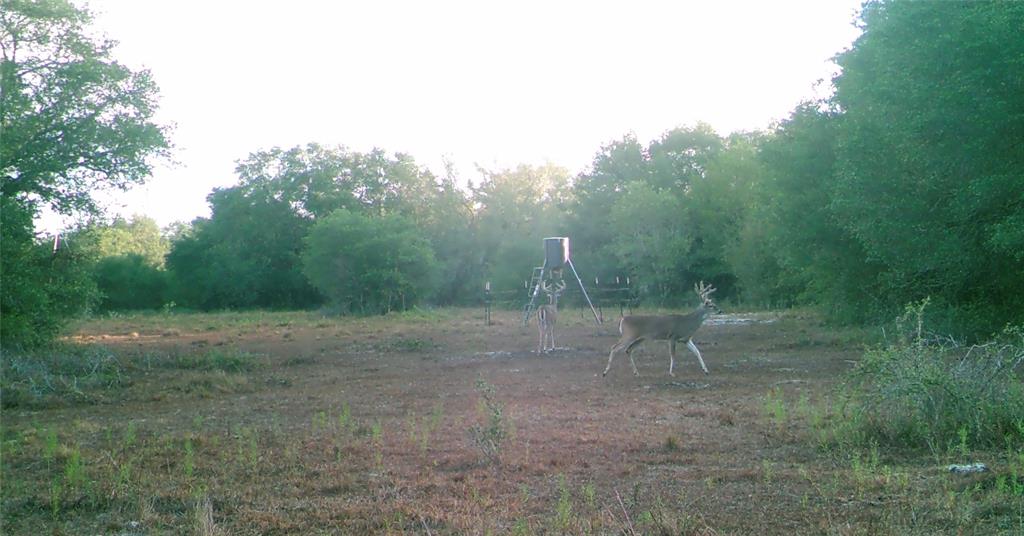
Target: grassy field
(430,422)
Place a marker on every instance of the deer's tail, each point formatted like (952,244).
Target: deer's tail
(621,320)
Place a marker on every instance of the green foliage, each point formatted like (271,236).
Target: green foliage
(128,282)
(664,214)
(220,359)
(369,265)
(518,209)
(246,255)
(929,163)
(652,239)
(41,288)
(817,259)
(918,392)
(73,119)
(138,236)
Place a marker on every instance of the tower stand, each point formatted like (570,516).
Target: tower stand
(538,278)
(597,317)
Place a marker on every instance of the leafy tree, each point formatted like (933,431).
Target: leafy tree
(247,254)
(72,121)
(138,236)
(652,240)
(369,265)
(450,226)
(128,282)
(595,191)
(929,159)
(819,260)
(517,209)
(672,172)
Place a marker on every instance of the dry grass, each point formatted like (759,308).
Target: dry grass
(363,426)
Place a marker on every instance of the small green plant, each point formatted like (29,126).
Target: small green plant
(961,447)
(188,465)
(563,509)
(489,436)
(319,421)
(50,446)
(775,408)
(56,497)
(248,447)
(344,417)
(767,472)
(74,470)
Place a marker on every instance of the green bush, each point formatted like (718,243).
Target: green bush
(127,282)
(923,391)
(369,265)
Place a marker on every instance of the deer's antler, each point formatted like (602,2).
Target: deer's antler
(702,290)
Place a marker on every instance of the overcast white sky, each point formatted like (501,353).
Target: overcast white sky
(492,83)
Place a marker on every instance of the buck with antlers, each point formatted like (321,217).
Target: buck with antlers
(547,315)
(671,328)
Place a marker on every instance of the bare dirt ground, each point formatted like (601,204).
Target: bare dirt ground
(355,426)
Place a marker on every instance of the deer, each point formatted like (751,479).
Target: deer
(671,328)
(547,315)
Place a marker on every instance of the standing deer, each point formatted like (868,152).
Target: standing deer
(548,314)
(669,328)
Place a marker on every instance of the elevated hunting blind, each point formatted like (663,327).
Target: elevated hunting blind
(556,257)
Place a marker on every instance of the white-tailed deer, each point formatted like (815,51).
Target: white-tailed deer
(671,328)
(547,315)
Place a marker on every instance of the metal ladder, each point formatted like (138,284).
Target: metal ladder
(534,289)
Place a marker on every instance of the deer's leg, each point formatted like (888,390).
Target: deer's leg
(696,352)
(611,355)
(540,328)
(671,356)
(629,352)
(622,343)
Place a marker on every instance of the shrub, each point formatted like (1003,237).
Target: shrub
(126,282)
(923,391)
(369,264)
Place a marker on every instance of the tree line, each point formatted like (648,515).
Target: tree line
(906,183)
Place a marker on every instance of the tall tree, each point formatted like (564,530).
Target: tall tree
(72,121)
(369,265)
(516,209)
(247,254)
(929,156)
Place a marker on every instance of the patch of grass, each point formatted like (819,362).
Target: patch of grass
(404,345)
(61,375)
(231,360)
